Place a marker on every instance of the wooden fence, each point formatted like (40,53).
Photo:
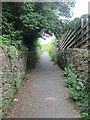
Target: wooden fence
(78,37)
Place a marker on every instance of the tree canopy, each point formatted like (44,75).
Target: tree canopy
(27,21)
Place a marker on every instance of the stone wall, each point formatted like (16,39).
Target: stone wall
(79,58)
(11,70)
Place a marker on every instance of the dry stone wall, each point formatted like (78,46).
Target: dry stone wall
(74,47)
(11,70)
(78,57)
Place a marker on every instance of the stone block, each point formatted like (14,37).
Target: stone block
(8,72)
(79,57)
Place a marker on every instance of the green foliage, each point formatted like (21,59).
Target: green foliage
(77,89)
(52,51)
(17,53)
(38,49)
(45,47)
(70,24)
(34,18)
(39,53)
(5,40)
(18,84)
(23,23)
(12,46)
(34,55)
(11,51)
(50,48)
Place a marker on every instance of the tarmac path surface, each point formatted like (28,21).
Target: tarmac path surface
(44,95)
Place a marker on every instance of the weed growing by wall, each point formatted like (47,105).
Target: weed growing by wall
(78,90)
(17,84)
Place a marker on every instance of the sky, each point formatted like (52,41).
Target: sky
(48,40)
(80,8)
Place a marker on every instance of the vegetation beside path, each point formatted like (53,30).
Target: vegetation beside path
(22,29)
(77,88)
(51,49)
(78,91)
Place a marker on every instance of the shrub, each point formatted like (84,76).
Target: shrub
(50,48)
(77,89)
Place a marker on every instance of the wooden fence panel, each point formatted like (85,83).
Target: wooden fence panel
(79,37)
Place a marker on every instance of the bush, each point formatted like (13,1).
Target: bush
(77,89)
(34,55)
(50,48)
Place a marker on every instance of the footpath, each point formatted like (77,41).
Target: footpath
(44,95)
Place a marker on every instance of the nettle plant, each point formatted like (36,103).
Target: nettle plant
(77,89)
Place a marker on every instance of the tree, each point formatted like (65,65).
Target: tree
(29,20)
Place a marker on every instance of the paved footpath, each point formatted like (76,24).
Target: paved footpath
(44,95)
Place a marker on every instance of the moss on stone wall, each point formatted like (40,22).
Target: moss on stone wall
(9,72)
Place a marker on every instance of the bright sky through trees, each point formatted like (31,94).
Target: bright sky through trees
(80,8)
(48,40)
